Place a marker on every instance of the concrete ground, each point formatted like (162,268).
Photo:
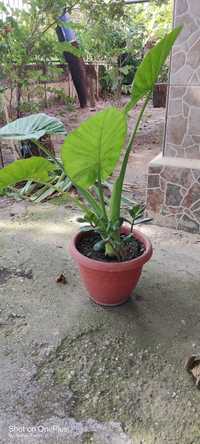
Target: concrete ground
(73,372)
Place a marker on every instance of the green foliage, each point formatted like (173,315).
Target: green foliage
(28,36)
(37,192)
(27,107)
(164,74)
(90,154)
(108,36)
(106,29)
(59,96)
(32,127)
(35,168)
(149,70)
(113,39)
(145,79)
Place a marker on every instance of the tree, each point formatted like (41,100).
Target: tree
(109,38)
(106,28)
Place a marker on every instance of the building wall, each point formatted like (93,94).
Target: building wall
(173,193)
(183,117)
(173,190)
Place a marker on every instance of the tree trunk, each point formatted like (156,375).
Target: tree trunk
(160,95)
(77,70)
(1,157)
(19,95)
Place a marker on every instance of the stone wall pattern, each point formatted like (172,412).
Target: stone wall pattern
(183,114)
(174,196)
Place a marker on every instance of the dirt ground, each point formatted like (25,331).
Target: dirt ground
(76,373)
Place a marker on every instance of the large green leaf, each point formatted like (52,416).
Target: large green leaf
(148,71)
(35,168)
(32,127)
(92,151)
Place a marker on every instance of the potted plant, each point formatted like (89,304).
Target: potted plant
(109,252)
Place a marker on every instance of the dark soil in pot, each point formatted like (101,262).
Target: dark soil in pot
(85,246)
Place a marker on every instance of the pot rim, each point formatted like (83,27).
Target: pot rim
(113,266)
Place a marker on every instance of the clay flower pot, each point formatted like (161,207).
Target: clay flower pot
(111,284)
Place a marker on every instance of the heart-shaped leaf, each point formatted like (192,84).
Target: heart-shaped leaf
(32,127)
(92,151)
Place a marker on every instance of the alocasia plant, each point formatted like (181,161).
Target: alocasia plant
(90,153)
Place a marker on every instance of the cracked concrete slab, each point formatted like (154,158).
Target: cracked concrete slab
(73,372)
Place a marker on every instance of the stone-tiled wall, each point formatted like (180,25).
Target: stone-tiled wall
(183,128)
(173,191)
(173,194)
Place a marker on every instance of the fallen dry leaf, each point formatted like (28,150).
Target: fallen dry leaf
(61,279)
(193,367)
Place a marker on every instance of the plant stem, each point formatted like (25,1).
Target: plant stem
(112,250)
(118,187)
(132,137)
(49,26)
(75,200)
(46,151)
(101,197)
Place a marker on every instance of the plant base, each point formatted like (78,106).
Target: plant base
(110,305)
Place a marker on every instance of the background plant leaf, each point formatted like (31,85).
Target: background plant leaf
(35,168)
(32,127)
(94,148)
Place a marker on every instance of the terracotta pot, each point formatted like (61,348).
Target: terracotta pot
(111,283)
